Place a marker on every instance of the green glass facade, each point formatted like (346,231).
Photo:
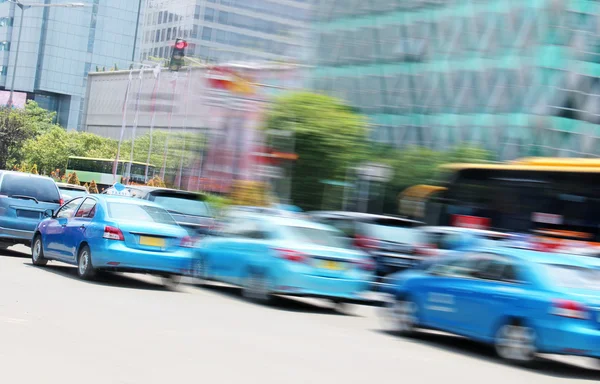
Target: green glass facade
(518,77)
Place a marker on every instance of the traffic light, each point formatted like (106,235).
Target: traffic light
(178,54)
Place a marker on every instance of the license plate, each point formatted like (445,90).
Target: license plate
(152,241)
(332,265)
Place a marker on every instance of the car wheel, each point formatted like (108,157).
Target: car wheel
(342,307)
(256,287)
(516,343)
(171,281)
(85,269)
(400,316)
(37,252)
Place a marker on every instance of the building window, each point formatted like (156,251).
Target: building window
(157,36)
(195,31)
(163,35)
(206,33)
(169,34)
(160,15)
(155,52)
(197,12)
(4,46)
(165,16)
(3,70)
(160,52)
(6,21)
(209,14)
(170,17)
(223,16)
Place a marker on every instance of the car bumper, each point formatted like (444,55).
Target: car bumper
(351,290)
(572,339)
(16,235)
(120,258)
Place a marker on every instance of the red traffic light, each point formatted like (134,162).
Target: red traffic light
(181,44)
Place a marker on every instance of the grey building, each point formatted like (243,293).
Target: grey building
(60,46)
(227,30)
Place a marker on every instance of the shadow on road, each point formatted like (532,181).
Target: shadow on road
(456,344)
(16,254)
(108,279)
(281,303)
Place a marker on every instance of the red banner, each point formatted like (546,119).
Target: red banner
(473,222)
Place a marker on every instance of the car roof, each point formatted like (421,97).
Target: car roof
(72,186)
(536,256)
(123,199)
(294,222)
(25,174)
(449,229)
(147,189)
(360,216)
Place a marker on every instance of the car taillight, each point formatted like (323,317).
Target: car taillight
(365,264)
(364,242)
(291,255)
(61,202)
(570,309)
(112,233)
(187,242)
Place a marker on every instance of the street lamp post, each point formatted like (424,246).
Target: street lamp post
(23,8)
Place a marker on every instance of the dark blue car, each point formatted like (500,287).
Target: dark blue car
(23,200)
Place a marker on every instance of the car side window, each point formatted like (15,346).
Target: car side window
(87,209)
(68,210)
(499,268)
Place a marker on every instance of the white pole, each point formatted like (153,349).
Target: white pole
(135,122)
(123,125)
(187,96)
(156,86)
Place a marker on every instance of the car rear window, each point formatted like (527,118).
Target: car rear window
(397,231)
(318,236)
(40,188)
(568,276)
(135,212)
(183,204)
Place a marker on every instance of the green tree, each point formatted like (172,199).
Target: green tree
(93,188)
(73,179)
(328,137)
(34,170)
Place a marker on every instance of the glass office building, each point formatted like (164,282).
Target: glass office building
(517,77)
(60,46)
(227,30)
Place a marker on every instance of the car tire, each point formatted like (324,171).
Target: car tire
(85,269)
(343,307)
(256,287)
(515,342)
(171,281)
(37,252)
(400,316)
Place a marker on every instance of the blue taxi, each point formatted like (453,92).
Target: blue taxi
(520,301)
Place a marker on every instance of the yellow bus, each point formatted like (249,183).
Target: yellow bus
(556,197)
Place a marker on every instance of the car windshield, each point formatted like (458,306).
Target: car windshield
(569,276)
(73,192)
(39,188)
(140,213)
(391,230)
(183,204)
(318,236)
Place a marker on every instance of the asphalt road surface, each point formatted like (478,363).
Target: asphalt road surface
(55,328)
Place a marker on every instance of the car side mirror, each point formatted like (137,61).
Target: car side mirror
(49,213)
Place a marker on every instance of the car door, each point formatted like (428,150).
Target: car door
(442,307)
(76,227)
(222,250)
(55,240)
(492,293)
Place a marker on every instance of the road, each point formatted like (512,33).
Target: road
(55,328)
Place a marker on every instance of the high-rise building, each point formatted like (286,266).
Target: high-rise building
(60,45)
(519,78)
(227,30)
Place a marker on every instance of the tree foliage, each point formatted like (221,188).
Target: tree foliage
(93,187)
(34,170)
(328,137)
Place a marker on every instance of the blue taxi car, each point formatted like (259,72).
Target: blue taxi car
(113,233)
(520,301)
(269,254)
